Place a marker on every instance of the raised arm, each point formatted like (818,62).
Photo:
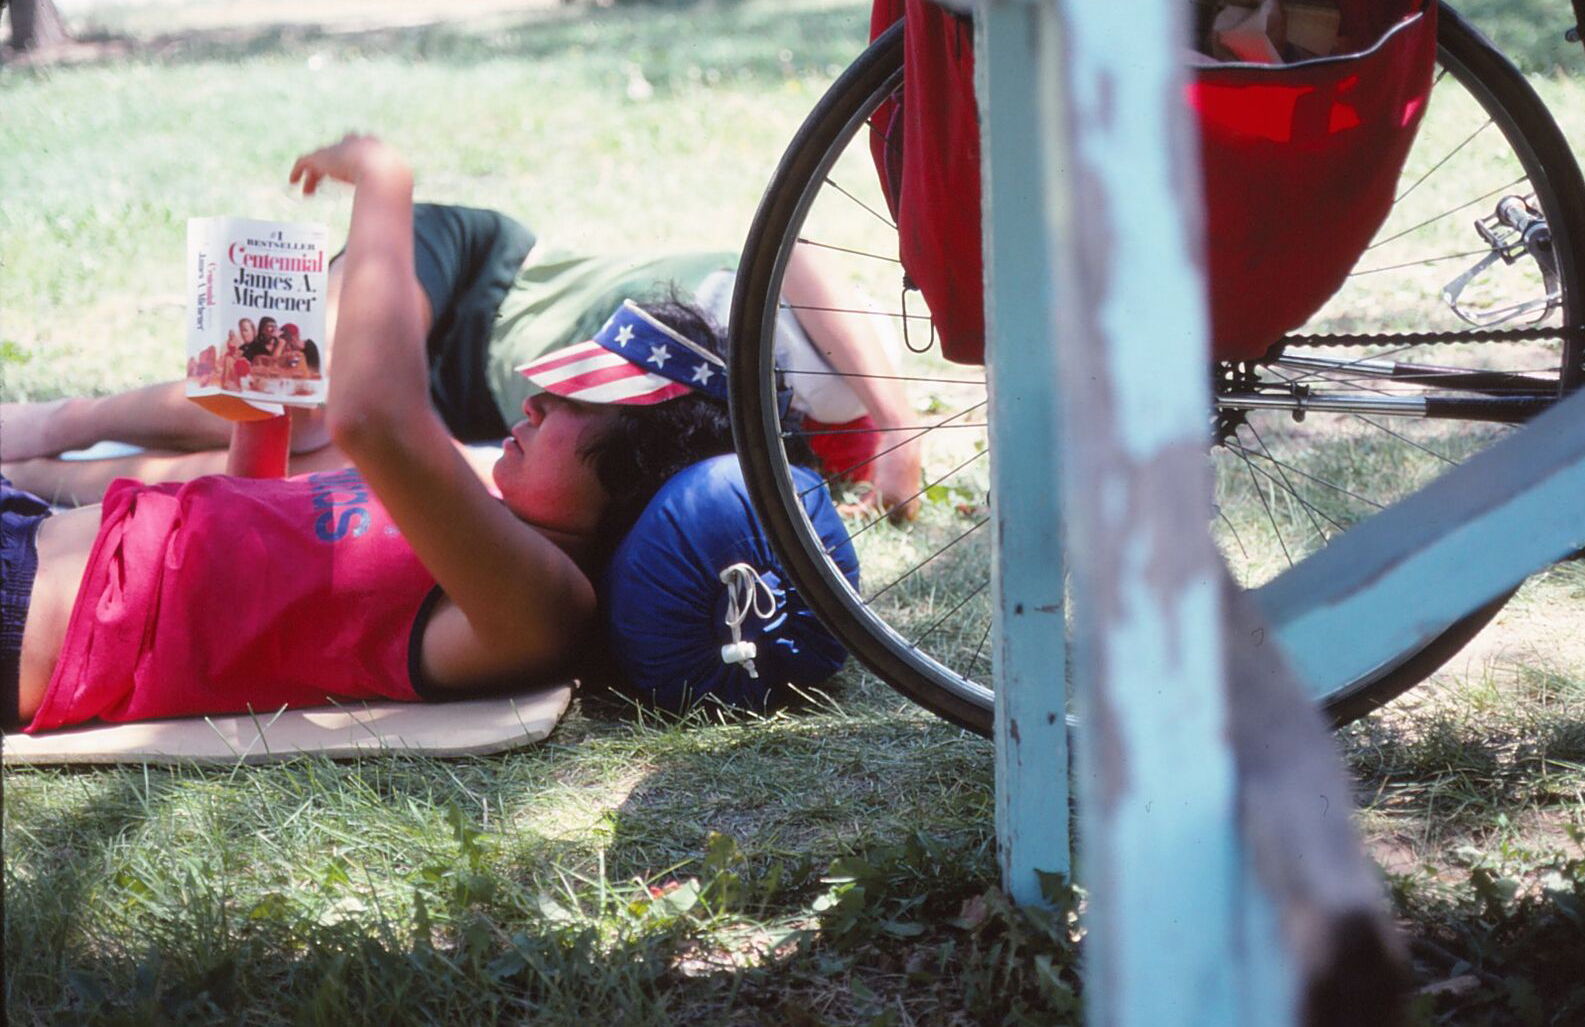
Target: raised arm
(520,602)
(849,345)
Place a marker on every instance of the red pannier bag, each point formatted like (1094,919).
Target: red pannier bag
(1300,161)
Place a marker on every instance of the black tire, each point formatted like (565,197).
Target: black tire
(885,625)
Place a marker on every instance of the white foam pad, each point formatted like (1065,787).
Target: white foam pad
(470,727)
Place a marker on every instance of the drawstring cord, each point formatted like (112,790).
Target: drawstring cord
(744,591)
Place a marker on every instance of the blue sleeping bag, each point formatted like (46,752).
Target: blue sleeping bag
(669,611)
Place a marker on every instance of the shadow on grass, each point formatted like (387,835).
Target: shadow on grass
(663,39)
(150,899)
(1466,773)
(808,791)
(44,907)
(795,792)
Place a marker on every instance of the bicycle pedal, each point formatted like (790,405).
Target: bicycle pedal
(1515,229)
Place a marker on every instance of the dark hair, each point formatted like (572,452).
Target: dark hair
(646,445)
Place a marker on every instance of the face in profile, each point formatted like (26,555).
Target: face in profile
(542,473)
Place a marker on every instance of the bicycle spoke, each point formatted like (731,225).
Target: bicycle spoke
(1447,157)
(1308,509)
(980,647)
(920,429)
(847,249)
(1408,441)
(927,561)
(888,222)
(1288,489)
(853,310)
(885,514)
(1310,477)
(1445,214)
(922,379)
(948,615)
(925,429)
(1261,495)
(1424,262)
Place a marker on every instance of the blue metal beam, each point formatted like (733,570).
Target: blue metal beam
(1392,583)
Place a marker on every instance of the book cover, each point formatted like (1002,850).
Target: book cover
(256,315)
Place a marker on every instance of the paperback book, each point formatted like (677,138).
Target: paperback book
(256,315)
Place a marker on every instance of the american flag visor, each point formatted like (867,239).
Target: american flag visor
(633,359)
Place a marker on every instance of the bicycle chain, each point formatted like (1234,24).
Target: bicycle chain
(1406,340)
(1227,375)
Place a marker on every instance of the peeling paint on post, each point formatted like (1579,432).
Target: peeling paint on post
(1031,691)
(1161,850)
(1220,892)
(1117,181)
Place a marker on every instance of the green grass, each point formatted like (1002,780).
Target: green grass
(536,117)
(397,887)
(1529,31)
(833,866)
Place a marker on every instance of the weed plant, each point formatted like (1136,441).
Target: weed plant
(1472,803)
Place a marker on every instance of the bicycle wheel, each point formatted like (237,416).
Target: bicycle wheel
(1460,321)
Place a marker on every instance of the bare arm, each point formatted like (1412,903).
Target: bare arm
(520,601)
(80,482)
(849,345)
(155,417)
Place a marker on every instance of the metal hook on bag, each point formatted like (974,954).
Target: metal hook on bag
(908,286)
(744,591)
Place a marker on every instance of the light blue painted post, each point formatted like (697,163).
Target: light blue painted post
(1223,886)
(1031,724)
(1161,856)
(1170,900)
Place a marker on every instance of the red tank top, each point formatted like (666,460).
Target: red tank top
(223,594)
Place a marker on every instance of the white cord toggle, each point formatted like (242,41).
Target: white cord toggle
(741,652)
(745,591)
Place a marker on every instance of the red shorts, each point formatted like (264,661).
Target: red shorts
(846,450)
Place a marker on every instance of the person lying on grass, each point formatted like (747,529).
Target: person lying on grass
(494,299)
(404,577)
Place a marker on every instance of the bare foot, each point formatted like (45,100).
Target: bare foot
(24,429)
